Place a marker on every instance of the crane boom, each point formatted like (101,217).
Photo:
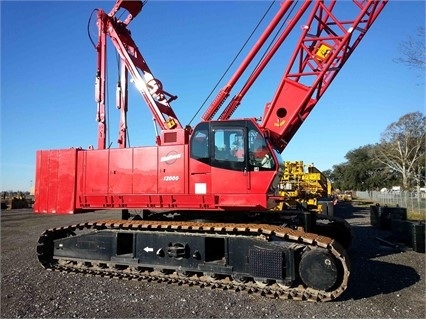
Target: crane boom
(326,43)
(324,47)
(224,93)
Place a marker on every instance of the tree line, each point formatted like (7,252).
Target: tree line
(14,194)
(399,159)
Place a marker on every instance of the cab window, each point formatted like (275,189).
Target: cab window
(260,157)
(200,143)
(235,147)
(229,147)
(229,144)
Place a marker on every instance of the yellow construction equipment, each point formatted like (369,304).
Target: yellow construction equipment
(307,186)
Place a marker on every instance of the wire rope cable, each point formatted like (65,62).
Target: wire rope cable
(233,61)
(276,35)
(88,28)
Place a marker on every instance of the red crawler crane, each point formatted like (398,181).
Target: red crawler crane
(220,168)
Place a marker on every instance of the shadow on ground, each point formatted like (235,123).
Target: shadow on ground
(369,276)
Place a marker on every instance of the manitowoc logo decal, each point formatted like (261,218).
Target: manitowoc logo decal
(171,157)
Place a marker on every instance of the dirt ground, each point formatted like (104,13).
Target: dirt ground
(384,283)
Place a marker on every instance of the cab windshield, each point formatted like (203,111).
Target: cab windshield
(240,146)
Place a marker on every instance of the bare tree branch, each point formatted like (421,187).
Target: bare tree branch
(402,148)
(413,50)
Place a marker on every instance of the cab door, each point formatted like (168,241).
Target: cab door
(229,171)
(242,166)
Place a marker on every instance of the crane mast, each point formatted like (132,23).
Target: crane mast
(131,61)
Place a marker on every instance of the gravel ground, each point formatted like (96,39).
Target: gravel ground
(384,283)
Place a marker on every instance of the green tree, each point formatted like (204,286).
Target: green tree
(336,176)
(361,171)
(364,172)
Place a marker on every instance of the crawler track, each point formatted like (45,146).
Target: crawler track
(45,251)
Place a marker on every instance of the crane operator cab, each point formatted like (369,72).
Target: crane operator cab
(234,144)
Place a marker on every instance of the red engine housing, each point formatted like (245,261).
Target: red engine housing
(159,177)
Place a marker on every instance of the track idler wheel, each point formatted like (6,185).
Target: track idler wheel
(318,269)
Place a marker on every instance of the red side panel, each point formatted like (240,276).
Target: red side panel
(200,178)
(55,181)
(145,173)
(41,191)
(238,190)
(120,171)
(118,178)
(93,175)
(171,170)
(95,172)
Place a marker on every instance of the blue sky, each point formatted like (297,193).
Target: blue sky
(48,69)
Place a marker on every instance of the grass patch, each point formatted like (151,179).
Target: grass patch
(416,215)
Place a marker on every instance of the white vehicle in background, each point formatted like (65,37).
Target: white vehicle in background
(421,193)
(396,189)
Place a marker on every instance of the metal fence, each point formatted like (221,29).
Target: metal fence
(415,203)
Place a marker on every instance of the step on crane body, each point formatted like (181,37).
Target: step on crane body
(226,171)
